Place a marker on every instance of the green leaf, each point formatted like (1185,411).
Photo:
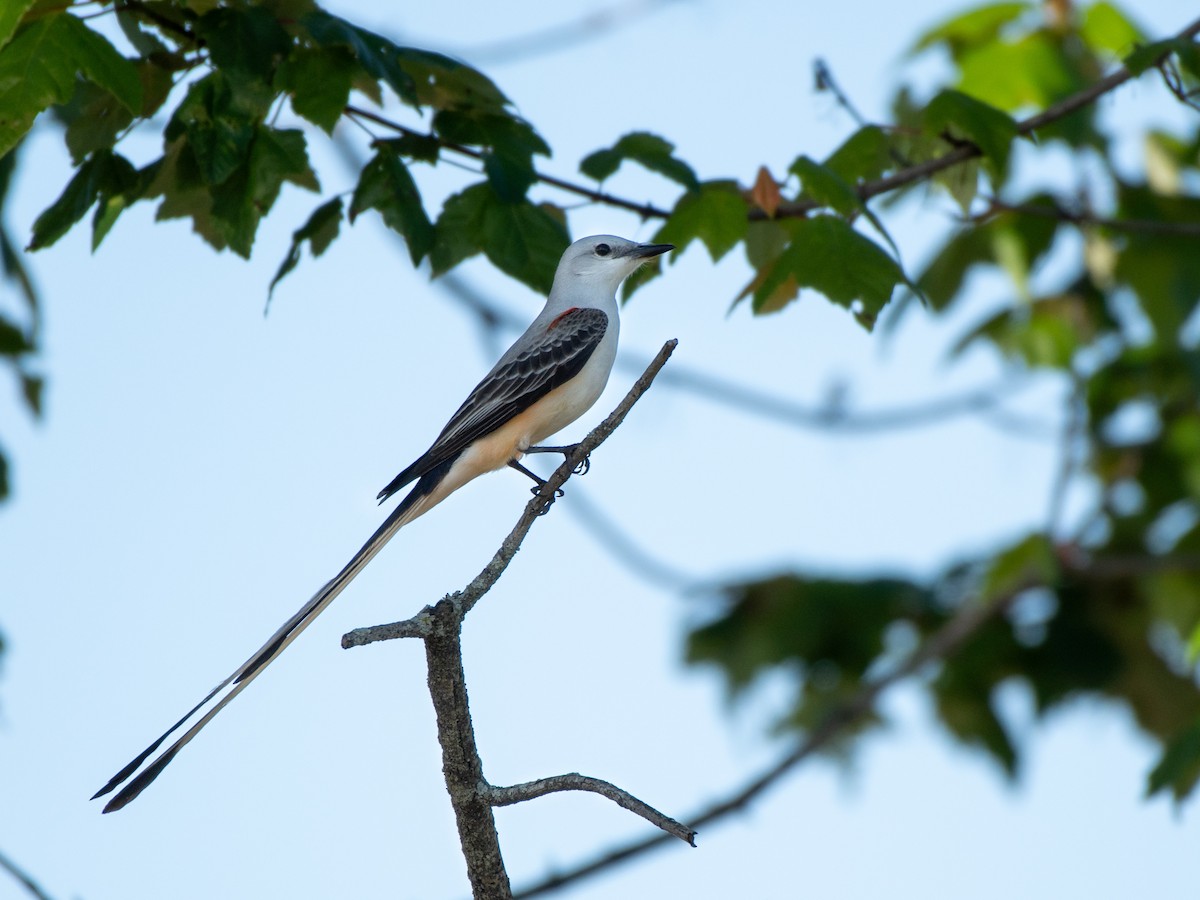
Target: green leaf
(100,62)
(959,117)
(445,83)
(714,213)
(245,41)
(94,118)
(1178,768)
(524,241)
(1106,28)
(320,230)
(1148,55)
(103,174)
(36,70)
(978,26)
(219,127)
(377,55)
(319,83)
(386,185)
(825,186)
(1162,268)
(510,144)
(1032,71)
(520,239)
(1028,563)
(826,254)
(10,17)
(457,234)
(863,156)
(648,150)
(13,340)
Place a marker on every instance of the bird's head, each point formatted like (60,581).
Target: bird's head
(603,260)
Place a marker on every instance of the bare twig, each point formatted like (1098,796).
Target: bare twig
(573,781)
(1141,226)
(26,881)
(946,641)
(598,23)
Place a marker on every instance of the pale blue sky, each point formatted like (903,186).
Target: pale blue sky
(201,470)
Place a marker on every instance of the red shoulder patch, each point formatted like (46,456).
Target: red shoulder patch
(560,317)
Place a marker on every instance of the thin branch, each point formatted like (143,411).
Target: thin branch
(946,641)
(573,781)
(594,25)
(1061,214)
(466,599)
(25,880)
(1073,431)
(645,210)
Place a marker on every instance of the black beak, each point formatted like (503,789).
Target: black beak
(645,251)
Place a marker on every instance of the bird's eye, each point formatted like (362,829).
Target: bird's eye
(603,249)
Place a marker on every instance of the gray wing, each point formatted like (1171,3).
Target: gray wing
(512,387)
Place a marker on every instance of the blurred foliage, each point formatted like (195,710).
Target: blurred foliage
(1108,607)
(1113,610)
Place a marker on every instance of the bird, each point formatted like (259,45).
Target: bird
(548,378)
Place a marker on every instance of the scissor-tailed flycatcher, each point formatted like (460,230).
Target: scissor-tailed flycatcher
(549,377)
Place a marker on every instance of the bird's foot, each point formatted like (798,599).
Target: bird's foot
(537,492)
(580,469)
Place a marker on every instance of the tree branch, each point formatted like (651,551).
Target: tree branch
(573,781)
(26,881)
(1140,226)
(440,627)
(970,618)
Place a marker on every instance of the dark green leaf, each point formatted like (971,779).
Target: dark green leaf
(13,340)
(94,118)
(520,239)
(509,142)
(1178,768)
(1148,55)
(524,241)
(319,82)
(245,41)
(100,62)
(219,128)
(445,83)
(320,230)
(31,389)
(826,254)
(1163,268)
(386,185)
(648,150)
(377,55)
(417,147)
(863,156)
(103,174)
(960,117)
(825,186)
(714,213)
(459,227)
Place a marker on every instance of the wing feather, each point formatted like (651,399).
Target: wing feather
(516,383)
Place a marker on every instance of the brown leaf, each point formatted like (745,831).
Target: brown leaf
(765,192)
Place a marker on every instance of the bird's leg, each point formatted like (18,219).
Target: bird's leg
(537,490)
(584,464)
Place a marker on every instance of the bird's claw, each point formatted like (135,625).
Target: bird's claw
(537,492)
(583,466)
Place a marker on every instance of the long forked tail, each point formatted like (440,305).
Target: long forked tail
(418,501)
